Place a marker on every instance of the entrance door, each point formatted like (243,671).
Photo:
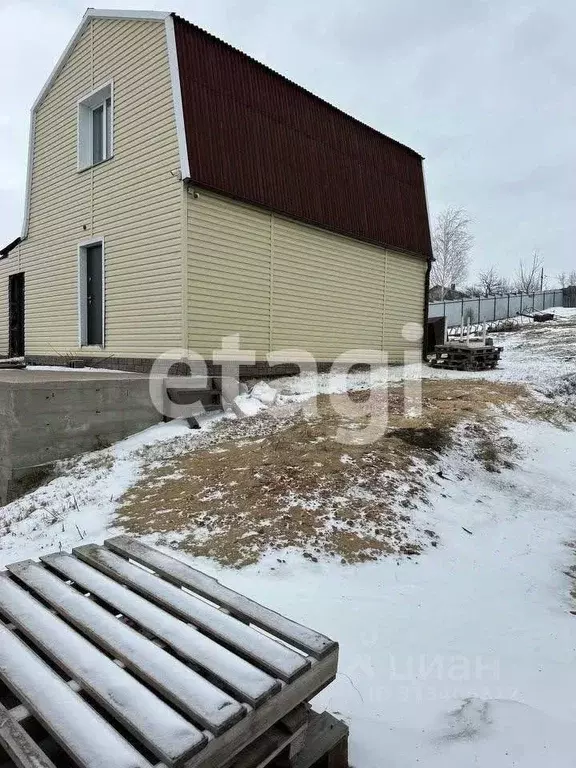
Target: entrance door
(16,315)
(94,293)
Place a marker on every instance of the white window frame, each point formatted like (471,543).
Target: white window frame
(85,144)
(82,302)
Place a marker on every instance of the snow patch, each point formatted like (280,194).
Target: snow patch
(245,406)
(264,392)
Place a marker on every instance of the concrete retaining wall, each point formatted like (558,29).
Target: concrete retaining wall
(46,416)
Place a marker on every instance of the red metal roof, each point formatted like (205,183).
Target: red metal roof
(10,247)
(254,135)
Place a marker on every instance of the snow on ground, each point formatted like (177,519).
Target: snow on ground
(463,656)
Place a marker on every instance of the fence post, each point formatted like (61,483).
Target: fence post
(479,306)
(494,308)
(508,310)
(521,295)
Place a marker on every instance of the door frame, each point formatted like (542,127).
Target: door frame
(11,277)
(82,305)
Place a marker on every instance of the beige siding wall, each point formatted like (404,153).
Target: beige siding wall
(281,284)
(327,291)
(228,274)
(133,201)
(404,303)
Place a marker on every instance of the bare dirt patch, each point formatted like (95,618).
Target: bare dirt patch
(283,480)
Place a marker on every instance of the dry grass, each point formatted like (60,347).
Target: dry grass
(285,481)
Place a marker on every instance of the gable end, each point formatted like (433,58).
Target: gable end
(93,13)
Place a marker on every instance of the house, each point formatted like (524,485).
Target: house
(180,192)
(439,293)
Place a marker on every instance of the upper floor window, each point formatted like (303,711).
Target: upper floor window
(95,127)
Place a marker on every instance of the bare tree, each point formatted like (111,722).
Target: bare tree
(474,291)
(451,244)
(529,274)
(566,279)
(490,282)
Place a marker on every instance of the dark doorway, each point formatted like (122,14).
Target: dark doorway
(94,293)
(435,330)
(16,315)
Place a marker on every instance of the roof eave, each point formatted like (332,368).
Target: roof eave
(10,247)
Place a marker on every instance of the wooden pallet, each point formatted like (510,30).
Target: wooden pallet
(120,655)
(317,741)
(462,357)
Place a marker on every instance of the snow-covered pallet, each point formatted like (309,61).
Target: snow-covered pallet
(120,655)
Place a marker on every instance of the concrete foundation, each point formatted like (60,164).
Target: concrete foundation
(50,415)
(258,370)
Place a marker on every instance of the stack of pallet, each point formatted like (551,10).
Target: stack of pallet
(119,656)
(465,356)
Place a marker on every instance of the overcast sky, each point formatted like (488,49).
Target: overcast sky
(486,91)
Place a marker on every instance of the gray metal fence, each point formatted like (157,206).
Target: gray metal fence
(492,308)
